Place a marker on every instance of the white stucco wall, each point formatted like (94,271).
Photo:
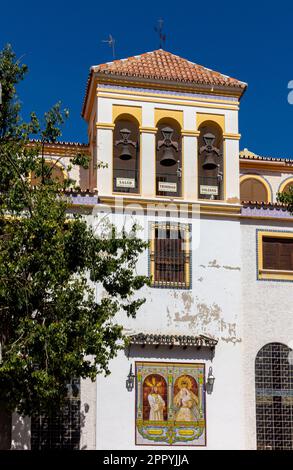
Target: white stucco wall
(211,307)
(267,315)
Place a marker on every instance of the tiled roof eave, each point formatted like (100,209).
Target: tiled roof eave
(258,158)
(153,339)
(60,143)
(162,67)
(267,205)
(154,80)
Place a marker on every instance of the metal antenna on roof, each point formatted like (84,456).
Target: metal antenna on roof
(111,43)
(159,30)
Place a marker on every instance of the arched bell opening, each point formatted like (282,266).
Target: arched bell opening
(126,155)
(168,158)
(210,161)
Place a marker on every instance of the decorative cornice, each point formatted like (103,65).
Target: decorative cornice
(282,166)
(173,340)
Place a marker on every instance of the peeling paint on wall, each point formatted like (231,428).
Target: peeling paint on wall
(214,264)
(201,317)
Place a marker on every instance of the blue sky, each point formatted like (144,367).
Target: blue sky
(251,41)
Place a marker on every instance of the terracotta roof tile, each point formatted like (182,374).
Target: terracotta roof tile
(248,155)
(162,65)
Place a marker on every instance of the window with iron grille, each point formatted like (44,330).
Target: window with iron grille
(170,255)
(61,429)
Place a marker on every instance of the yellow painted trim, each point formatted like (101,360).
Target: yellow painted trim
(148,130)
(258,178)
(217,118)
(176,103)
(273,274)
(190,133)
(168,114)
(255,217)
(105,125)
(217,208)
(164,95)
(280,167)
(285,183)
(135,111)
(232,136)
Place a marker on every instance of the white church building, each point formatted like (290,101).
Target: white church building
(209,363)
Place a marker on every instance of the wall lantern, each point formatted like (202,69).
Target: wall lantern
(210,381)
(130,380)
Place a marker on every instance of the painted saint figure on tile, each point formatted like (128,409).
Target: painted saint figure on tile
(186,399)
(155,398)
(170,403)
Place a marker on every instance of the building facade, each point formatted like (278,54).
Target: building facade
(209,362)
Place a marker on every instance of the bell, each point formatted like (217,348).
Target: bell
(125,153)
(209,162)
(168,158)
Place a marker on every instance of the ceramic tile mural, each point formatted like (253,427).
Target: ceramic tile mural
(170,404)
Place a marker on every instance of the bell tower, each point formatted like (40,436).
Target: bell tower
(163,127)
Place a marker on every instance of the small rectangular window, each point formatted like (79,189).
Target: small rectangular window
(275,255)
(170,255)
(278,253)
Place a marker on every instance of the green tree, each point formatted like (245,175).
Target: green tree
(287,198)
(51,326)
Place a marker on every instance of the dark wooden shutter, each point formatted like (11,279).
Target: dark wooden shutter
(278,253)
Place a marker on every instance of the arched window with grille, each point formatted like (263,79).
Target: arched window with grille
(274,397)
